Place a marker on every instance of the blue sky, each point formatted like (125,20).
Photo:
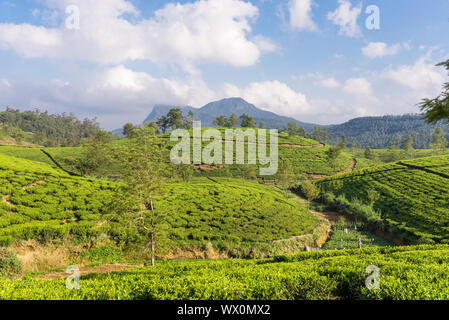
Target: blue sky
(314,60)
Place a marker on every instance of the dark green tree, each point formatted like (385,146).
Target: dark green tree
(439,142)
(247,121)
(438,108)
(129,130)
(333,154)
(145,172)
(409,151)
(293,129)
(233,120)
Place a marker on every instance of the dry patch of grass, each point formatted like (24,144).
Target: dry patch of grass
(37,257)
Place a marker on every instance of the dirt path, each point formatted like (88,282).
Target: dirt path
(280,145)
(331,216)
(6,199)
(107,268)
(33,184)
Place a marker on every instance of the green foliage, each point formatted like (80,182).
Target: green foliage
(47,204)
(49,130)
(405,273)
(310,190)
(372,195)
(377,132)
(247,121)
(293,129)
(128,130)
(347,238)
(105,254)
(332,155)
(94,154)
(438,108)
(10,265)
(310,158)
(408,148)
(144,169)
(439,142)
(355,207)
(320,134)
(414,195)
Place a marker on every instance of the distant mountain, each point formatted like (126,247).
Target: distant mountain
(227,107)
(377,132)
(373,132)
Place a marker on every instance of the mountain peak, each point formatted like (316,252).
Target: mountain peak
(226,107)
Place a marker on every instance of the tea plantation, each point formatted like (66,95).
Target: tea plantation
(40,202)
(413,195)
(404,273)
(306,156)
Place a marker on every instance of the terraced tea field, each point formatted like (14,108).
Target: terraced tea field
(307,156)
(414,195)
(40,202)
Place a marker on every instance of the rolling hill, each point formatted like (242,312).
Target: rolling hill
(307,156)
(413,196)
(238,218)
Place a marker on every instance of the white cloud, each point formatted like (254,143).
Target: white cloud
(5,83)
(265,44)
(380,49)
(346,17)
(330,82)
(184,34)
(358,86)
(118,94)
(301,15)
(273,96)
(423,76)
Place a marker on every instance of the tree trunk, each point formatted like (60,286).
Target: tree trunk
(152,248)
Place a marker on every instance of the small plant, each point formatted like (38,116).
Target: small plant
(104,254)
(310,190)
(372,196)
(10,266)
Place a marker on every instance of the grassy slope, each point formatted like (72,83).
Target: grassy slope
(40,201)
(304,160)
(414,199)
(404,273)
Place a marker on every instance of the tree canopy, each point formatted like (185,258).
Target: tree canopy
(438,108)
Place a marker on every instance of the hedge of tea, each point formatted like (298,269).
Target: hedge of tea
(41,202)
(414,195)
(403,273)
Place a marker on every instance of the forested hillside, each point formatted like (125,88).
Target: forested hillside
(45,129)
(377,132)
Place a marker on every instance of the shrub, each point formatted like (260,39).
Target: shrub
(10,265)
(104,254)
(310,190)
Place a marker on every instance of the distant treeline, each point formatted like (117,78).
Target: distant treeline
(50,130)
(378,132)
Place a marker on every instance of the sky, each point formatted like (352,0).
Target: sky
(320,61)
